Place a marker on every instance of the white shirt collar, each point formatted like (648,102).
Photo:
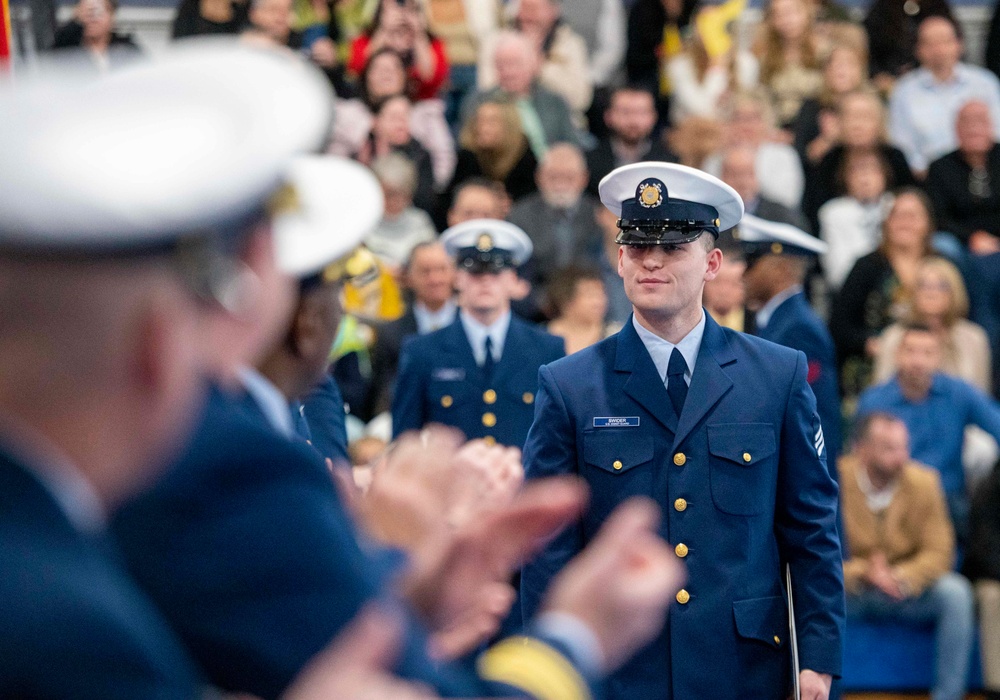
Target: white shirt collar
(477,333)
(428,320)
(272,403)
(877,499)
(767,311)
(75,496)
(659,349)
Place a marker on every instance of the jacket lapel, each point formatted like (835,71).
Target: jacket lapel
(644,384)
(709,383)
(458,350)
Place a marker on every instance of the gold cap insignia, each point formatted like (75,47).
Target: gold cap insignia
(650,195)
(776,248)
(485,242)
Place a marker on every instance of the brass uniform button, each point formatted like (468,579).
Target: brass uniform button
(777,639)
(683,596)
(681,550)
(490,396)
(490,440)
(680,505)
(489,420)
(680,459)
(617,464)
(528,397)
(747,457)
(447,401)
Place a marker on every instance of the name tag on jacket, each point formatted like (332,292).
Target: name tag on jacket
(617,422)
(448,374)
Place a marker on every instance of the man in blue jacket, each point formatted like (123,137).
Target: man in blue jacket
(721,430)
(480,373)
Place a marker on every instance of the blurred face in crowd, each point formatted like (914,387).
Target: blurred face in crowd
(317,323)
(790,19)
(843,71)
(865,178)
(537,16)
(747,124)
(726,292)
(397,200)
(589,303)
(517,63)
(917,359)
(938,47)
(974,128)
(663,282)
(861,118)
(392,124)
(739,171)
(562,176)
(485,294)
(273,18)
(97,18)
(473,202)
(908,225)
(885,449)
(489,131)
(934,296)
(631,116)
(431,275)
(386,76)
(769,275)
(397,25)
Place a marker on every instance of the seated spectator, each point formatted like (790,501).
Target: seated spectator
(564,70)
(789,57)
(197,17)
(493,145)
(739,171)
(478,198)
(851,224)
(817,128)
(463,26)
(941,303)
(902,548)
(700,79)
(892,37)
(429,278)
(401,26)
(577,305)
(560,219)
(965,184)
(749,122)
(630,119)
(878,288)
(271,23)
(385,76)
(619,306)
(545,116)
(725,296)
(654,37)
(926,101)
(601,25)
(937,409)
(861,116)
(982,565)
(93,30)
(403,226)
(390,132)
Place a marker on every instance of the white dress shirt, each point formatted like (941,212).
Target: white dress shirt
(428,321)
(660,349)
(273,404)
(477,334)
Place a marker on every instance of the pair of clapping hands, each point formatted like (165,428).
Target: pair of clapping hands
(467,521)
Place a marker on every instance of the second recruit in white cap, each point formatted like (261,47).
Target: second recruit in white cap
(487,245)
(762,237)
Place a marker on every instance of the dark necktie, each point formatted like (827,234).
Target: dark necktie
(488,360)
(677,389)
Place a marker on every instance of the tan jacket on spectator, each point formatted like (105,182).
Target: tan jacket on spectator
(914,531)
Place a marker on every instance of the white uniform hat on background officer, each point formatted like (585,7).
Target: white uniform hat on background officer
(487,245)
(758,237)
(665,203)
(187,146)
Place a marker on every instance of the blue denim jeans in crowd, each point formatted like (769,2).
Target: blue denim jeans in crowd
(948,606)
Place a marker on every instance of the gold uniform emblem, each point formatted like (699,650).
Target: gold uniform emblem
(485,242)
(650,195)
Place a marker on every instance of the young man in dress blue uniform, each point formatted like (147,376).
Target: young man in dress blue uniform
(777,257)
(480,373)
(721,429)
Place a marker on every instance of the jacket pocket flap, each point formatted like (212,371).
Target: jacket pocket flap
(764,619)
(742,443)
(616,451)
